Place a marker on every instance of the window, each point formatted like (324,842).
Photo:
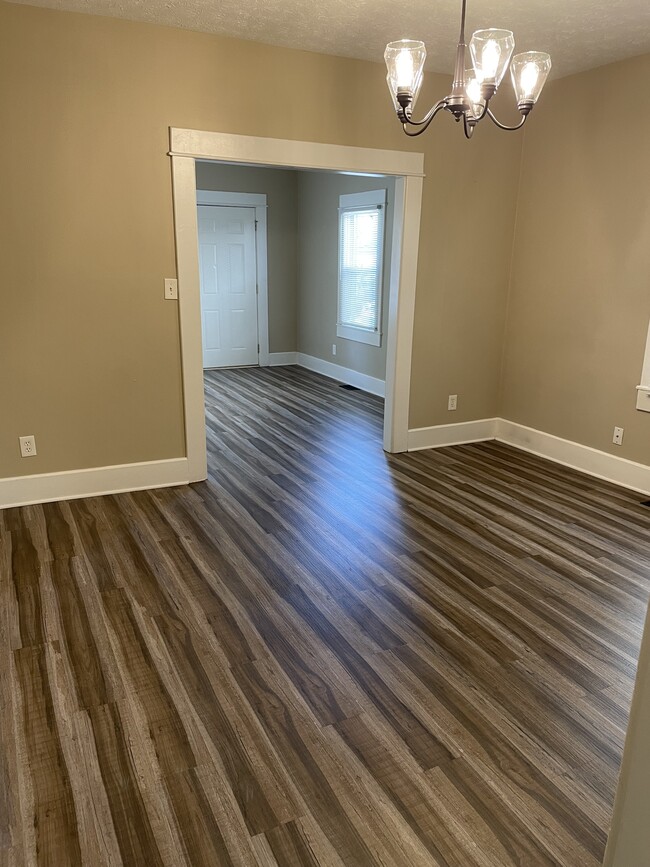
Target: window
(361,254)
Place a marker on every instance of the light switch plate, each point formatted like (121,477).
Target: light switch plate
(171,289)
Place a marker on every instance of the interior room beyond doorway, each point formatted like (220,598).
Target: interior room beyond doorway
(283,249)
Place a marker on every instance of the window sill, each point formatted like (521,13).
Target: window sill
(360,335)
(643,398)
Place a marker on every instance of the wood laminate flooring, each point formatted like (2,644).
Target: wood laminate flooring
(323,655)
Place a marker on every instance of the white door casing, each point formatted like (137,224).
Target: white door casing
(228,286)
(187,146)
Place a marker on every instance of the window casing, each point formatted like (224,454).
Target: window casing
(643,390)
(361,256)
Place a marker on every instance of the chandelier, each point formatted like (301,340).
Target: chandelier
(472,88)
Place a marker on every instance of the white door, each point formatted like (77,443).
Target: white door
(228,285)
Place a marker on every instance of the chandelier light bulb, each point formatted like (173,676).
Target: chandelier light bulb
(529,76)
(474,93)
(490,59)
(529,72)
(404,69)
(405,66)
(491,51)
(474,90)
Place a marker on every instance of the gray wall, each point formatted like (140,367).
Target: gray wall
(318,195)
(303,257)
(280,188)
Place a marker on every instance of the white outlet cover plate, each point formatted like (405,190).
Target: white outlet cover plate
(27,446)
(171,289)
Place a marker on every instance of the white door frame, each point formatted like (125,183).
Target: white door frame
(187,146)
(257,201)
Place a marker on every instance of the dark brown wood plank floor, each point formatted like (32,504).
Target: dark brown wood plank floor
(323,655)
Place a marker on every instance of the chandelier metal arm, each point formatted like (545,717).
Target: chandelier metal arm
(426,120)
(494,120)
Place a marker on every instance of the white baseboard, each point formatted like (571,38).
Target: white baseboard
(94,482)
(98,481)
(343,374)
(594,462)
(602,465)
(452,434)
(276,359)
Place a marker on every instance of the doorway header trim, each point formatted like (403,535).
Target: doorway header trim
(200,144)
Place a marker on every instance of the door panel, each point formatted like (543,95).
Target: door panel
(211,331)
(228,285)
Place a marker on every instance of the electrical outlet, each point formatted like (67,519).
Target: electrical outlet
(27,446)
(452,401)
(617,439)
(334,349)
(171,289)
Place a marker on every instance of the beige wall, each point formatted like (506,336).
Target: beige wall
(318,270)
(579,302)
(90,350)
(280,188)
(465,251)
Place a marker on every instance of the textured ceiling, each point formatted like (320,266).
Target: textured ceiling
(579,34)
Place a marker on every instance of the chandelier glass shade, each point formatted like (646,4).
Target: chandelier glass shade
(491,54)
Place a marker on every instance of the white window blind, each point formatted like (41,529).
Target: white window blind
(361,252)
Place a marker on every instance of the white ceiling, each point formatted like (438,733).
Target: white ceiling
(579,34)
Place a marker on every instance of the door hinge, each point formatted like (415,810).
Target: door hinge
(256,225)
(258,349)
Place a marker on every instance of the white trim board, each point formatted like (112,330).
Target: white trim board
(442,435)
(328,368)
(643,390)
(93,482)
(342,374)
(602,465)
(359,335)
(231,200)
(645,373)
(99,481)
(187,146)
(254,150)
(593,462)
